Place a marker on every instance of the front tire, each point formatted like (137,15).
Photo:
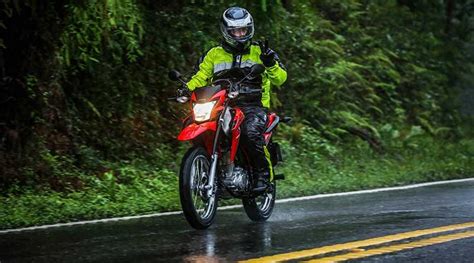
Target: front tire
(198,209)
(260,208)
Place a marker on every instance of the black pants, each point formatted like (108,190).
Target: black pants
(252,139)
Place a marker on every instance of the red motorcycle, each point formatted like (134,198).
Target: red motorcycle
(215,167)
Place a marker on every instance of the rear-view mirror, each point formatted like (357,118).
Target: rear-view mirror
(174,75)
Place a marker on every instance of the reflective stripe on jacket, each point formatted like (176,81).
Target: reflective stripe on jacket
(217,59)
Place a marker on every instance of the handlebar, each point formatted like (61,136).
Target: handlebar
(183,94)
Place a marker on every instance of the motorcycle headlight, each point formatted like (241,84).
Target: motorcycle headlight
(202,111)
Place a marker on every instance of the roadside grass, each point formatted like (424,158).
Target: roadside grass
(362,169)
(130,190)
(312,166)
(320,167)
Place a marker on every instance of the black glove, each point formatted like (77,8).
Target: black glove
(267,56)
(182,91)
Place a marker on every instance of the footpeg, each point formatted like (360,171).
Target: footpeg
(286,119)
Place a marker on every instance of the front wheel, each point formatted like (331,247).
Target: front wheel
(198,208)
(260,208)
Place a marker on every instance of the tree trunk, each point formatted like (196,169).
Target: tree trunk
(287,4)
(450,5)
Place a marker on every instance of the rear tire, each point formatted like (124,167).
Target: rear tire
(198,209)
(260,208)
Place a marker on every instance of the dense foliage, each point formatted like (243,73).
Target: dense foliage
(83,83)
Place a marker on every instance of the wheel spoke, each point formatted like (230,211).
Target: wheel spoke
(198,183)
(195,199)
(202,169)
(263,202)
(199,167)
(195,181)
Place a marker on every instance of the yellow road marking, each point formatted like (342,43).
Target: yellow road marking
(358,244)
(394,248)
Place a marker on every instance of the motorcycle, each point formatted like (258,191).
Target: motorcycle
(215,167)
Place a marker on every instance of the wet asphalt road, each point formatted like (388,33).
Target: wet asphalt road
(293,226)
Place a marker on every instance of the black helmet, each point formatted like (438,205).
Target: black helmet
(237,27)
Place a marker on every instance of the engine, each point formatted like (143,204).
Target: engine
(238,181)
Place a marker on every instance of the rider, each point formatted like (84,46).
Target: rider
(238,50)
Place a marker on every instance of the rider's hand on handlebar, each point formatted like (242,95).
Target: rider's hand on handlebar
(182,91)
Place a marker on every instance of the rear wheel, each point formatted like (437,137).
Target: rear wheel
(260,208)
(198,208)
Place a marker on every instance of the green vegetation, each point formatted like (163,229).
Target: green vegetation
(324,168)
(86,131)
(135,187)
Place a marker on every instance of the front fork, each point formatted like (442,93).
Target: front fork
(215,156)
(212,176)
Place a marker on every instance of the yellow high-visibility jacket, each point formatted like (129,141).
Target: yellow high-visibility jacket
(218,59)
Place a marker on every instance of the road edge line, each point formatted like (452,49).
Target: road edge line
(287,200)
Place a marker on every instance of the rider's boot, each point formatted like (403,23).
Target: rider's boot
(262,182)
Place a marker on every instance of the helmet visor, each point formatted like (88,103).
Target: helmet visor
(239,32)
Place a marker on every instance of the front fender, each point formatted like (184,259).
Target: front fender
(194,130)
